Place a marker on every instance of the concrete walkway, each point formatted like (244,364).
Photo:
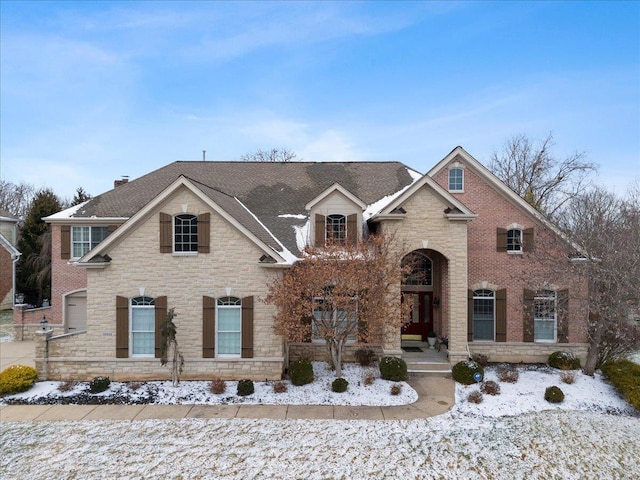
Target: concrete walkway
(435,396)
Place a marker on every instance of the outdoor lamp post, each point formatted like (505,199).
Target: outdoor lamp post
(43,323)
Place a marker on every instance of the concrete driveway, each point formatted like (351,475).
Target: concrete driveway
(17,353)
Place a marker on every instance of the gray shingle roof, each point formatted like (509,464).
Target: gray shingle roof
(266,189)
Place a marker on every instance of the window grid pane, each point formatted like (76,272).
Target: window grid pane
(483,315)
(186,233)
(455,179)
(229,326)
(336,228)
(544,321)
(142,329)
(514,240)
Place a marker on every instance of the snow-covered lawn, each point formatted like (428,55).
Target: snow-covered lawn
(515,435)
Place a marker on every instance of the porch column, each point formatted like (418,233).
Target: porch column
(458,306)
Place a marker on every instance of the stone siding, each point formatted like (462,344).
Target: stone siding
(138,264)
(527,352)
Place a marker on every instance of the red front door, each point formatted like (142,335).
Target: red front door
(420,321)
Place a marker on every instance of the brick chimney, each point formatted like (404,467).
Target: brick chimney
(122,181)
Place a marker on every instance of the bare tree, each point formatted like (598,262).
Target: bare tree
(170,343)
(272,155)
(340,293)
(607,231)
(16,198)
(545,181)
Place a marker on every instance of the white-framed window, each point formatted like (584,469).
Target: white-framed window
(336,229)
(185,233)
(228,327)
(84,239)
(484,314)
(327,320)
(514,240)
(456,179)
(545,316)
(142,325)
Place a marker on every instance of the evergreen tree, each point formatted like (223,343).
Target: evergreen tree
(33,278)
(80,196)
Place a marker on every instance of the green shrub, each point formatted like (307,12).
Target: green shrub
(554,395)
(364,356)
(624,375)
(301,372)
(99,384)
(463,372)
(564,361)
(393,368)
(17,378)
(339,385)
(245,387)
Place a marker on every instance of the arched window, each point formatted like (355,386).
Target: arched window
(484,314)
(336,229)
(228,326)
(456,179)
(142,326)
(418,269)
(185,233)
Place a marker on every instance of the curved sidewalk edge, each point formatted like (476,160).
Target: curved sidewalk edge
(435,396)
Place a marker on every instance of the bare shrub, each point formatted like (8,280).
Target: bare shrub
(481,359)
(490,388)
(218,386)
(475,397)
(368,380)
(568,377)
(396,389)
(508,374)
(135,386)
(279,387)
(67,386)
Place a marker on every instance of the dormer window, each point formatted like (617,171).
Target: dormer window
(456,179)
(336,229)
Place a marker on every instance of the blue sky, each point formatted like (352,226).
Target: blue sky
(92,91)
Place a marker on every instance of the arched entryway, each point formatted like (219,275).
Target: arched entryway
(423,284)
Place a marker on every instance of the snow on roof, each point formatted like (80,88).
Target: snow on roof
(67,213)
(302,235)
(379,205)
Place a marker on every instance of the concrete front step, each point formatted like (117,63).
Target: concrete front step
(420,368)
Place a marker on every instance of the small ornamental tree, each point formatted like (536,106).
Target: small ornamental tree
(170,344)
(340,293)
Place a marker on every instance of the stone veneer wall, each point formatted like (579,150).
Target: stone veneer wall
(137,263)
(513,352)
(425,226)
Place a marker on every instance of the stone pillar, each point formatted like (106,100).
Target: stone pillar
(42,353)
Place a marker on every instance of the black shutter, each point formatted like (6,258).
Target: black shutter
(501,315)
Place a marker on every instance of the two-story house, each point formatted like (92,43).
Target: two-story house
(206,238)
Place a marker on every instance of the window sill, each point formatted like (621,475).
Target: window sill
(185,254)
(515,252)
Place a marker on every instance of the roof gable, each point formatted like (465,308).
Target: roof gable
(336,187)
(230,208)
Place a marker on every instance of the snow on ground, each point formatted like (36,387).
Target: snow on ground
(316,393)
(515,435)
